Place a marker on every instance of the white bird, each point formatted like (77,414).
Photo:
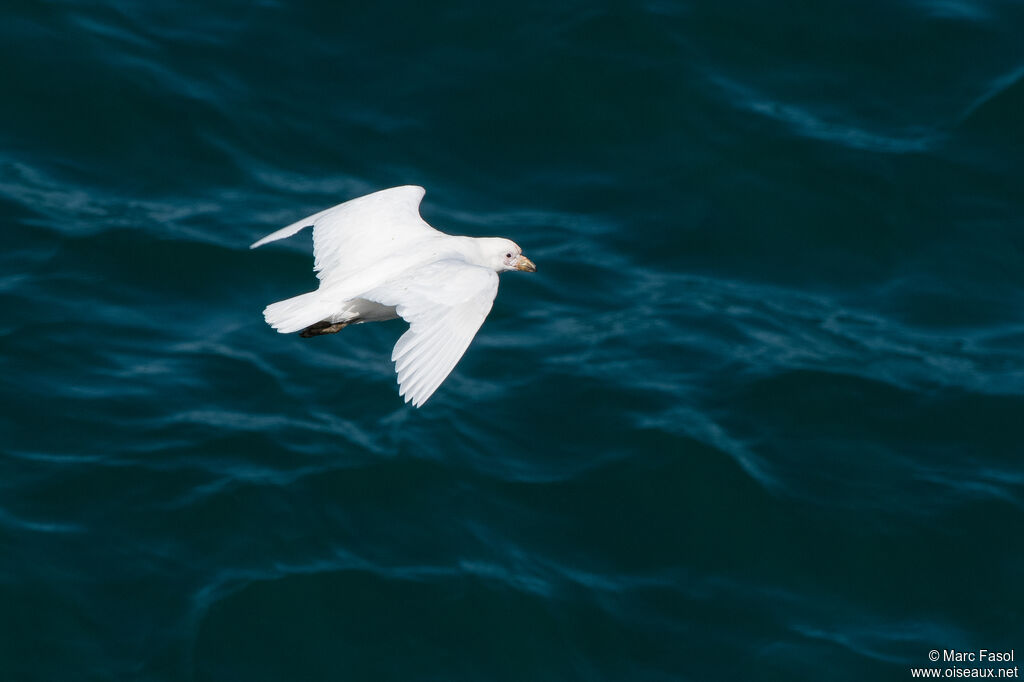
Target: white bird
(377,259)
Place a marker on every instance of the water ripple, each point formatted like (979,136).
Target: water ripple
(803,122)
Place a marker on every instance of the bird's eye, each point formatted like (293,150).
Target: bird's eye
(508,255)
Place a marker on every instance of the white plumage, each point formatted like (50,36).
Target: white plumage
(377,259)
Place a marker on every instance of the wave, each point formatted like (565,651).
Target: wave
(995,112)
(958,10)
(804,122)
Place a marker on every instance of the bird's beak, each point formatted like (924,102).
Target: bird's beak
(525,264)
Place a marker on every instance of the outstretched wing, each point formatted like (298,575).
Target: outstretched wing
(444,303)
(362,231)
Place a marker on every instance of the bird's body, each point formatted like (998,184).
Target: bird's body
(377,260)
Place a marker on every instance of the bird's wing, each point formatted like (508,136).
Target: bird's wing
(359,232)
(444,303)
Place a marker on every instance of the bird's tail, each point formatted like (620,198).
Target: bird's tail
(296,313)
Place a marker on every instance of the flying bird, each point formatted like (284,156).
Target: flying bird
(377,259)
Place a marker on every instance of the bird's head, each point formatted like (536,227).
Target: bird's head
(504,255)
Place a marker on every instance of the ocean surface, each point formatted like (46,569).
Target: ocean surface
(758,416)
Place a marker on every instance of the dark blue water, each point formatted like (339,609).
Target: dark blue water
(759,415)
